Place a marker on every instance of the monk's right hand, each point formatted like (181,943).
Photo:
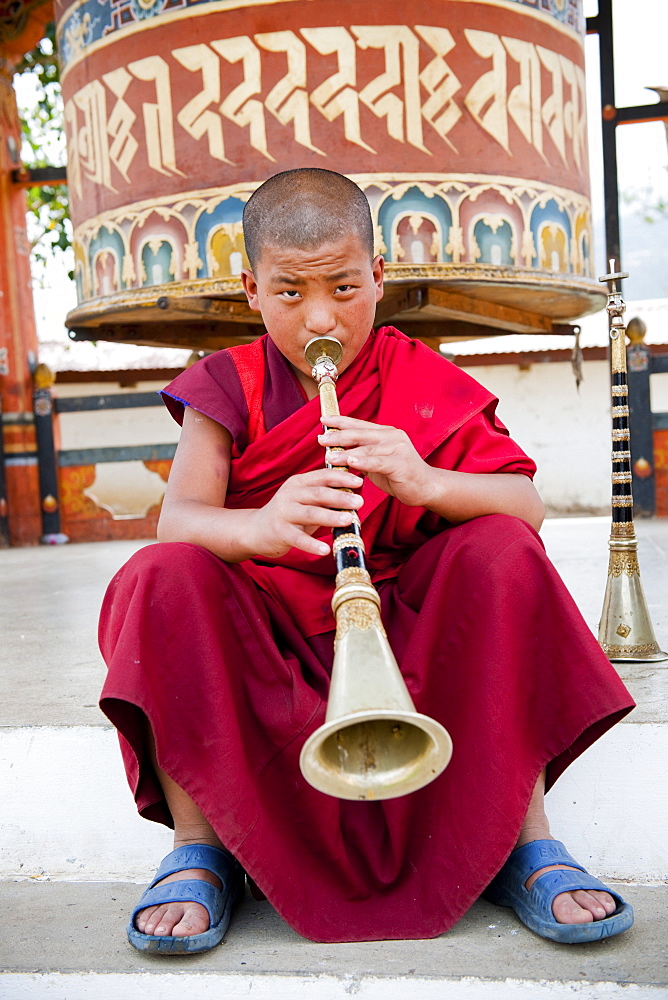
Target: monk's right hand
(299,507)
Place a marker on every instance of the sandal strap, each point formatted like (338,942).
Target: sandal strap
(548,886)
(537,854)
(185,891)
(534,907)
(213,859)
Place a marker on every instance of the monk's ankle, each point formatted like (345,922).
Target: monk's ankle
(188,837)
(530,833)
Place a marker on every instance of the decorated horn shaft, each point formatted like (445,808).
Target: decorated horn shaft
(348,548)
(373,743)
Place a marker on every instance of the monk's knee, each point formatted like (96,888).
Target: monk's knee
(175,558)
(167,568)
(492,534)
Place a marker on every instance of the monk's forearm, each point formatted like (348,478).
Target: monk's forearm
(460,496)
(227,533)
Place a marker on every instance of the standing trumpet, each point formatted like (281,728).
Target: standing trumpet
(373,744)
(625,631)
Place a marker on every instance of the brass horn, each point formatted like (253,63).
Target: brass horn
(373,744)
(625,631)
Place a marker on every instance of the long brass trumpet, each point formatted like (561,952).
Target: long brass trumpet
(625,631)
(373,744)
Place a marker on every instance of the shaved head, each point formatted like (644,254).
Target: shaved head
(305,208)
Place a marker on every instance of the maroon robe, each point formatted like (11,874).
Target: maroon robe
(230,663)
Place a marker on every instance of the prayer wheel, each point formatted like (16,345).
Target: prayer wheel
(462,120)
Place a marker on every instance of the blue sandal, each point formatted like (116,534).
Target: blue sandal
(534,906)
(217,902)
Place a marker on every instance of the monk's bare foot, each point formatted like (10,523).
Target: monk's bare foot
(579,907)
(177,919)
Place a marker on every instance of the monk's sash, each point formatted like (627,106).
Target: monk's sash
(250,363)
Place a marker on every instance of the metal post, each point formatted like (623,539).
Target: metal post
(46,453)
(609,129)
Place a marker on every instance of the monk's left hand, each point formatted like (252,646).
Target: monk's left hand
(385,454)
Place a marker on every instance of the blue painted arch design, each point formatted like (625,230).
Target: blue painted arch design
(585,251)
(229,210)
(157,266)
(494,246)
(414,200)
(550,213)
(111,240)
(79,280)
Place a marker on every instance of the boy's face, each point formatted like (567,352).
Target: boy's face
(331,291)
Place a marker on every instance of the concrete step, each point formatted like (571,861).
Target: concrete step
(66,941)
(611,806)
(68,821)
(78,818)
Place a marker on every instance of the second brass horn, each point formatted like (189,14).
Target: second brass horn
(373,744)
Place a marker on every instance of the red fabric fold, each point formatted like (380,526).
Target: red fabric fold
(232,690)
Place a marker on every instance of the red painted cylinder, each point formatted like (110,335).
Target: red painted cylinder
(463,121)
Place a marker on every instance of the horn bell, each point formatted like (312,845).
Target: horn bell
(373,744)
(625,630)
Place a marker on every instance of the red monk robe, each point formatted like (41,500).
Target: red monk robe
(230,663)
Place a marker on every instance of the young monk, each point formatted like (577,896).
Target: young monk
(219,639)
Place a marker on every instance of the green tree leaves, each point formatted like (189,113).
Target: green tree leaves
(41,110)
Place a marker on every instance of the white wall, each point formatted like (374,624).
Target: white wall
(114,428)
(658,390)
(566,431)
(125,489)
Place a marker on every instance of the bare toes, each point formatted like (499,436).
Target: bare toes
(178,919)
(195,920)
(143,917)
(155,916)
(599,904)
(567,910)
(582,906)
(163,922)
(173,919)
(605,899)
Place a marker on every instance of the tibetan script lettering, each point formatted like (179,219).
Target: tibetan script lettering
(210,90)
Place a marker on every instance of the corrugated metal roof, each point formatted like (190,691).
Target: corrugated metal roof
(103,356)
(654,313)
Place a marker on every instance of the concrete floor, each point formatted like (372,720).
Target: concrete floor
(486,940)
(63,931)
(50,599)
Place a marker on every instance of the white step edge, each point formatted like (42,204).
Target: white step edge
(67,810)
(212,986)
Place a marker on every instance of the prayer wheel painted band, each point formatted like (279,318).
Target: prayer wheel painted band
(462,120)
